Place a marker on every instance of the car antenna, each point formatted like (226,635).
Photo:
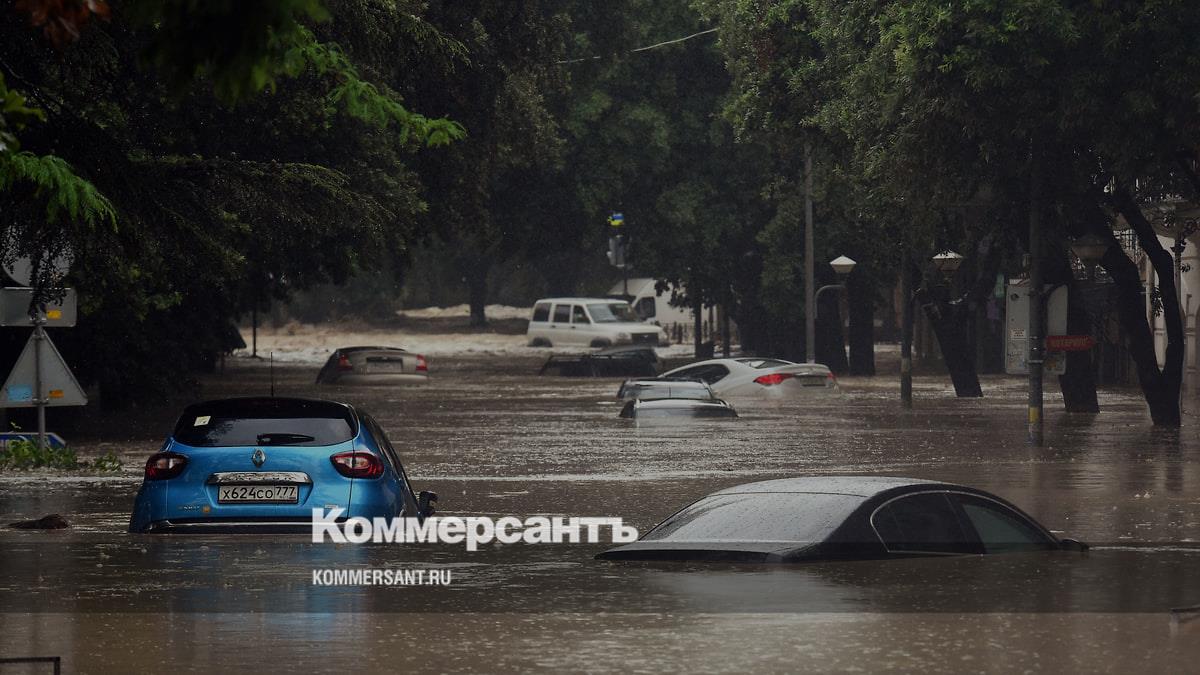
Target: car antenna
(272,374)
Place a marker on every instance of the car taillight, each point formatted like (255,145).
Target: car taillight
(832,379)
(773,378)
(422,366)
(357,464)
(164,465)
(344,363)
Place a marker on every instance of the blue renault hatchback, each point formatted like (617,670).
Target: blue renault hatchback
(263,465)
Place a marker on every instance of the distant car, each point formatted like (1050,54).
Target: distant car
(589,322)
(374,365)
(761,377)
(841,518)
(263,464)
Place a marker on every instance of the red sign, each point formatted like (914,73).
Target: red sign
(1069,343)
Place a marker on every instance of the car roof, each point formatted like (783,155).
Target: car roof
(583,300)
(859,486)
(382,349)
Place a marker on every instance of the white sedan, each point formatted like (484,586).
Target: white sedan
(759,377)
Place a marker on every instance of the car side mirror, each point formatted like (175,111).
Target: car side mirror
(1072,545)
(425,503)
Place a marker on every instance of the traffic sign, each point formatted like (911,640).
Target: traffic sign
(1069,343)
(52,439)
(58,385)
(14,308)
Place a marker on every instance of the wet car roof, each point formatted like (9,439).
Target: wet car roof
(861,486)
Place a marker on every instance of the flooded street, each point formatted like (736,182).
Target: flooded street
(492,438)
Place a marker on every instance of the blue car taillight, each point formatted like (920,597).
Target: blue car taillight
(357,464)
(165,465)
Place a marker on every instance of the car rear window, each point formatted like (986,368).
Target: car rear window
(670,391)
(265,422)
(758,516)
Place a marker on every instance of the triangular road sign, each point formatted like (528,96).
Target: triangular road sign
(59,386)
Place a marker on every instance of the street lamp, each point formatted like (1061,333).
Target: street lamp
(947,262)
(843,266)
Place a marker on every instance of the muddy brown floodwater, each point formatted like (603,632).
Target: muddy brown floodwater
(493,439)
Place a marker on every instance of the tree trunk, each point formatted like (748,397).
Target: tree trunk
(862,326)
(1161,388)
(477,298)
(951,324)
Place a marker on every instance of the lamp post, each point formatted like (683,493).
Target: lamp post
(947,263)
(843,266)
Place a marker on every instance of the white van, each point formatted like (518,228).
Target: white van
(589,322)
(652,306)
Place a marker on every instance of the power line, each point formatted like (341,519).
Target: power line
(647,47)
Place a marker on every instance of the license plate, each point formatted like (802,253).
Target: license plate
(384,365)
(263,494)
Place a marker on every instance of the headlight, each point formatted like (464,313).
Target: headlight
(622,336)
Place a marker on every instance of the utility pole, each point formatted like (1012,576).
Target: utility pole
(1037,327)
(810,311)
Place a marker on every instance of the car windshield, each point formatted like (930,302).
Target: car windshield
(758,516)
(611,312)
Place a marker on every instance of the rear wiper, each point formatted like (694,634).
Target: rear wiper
(283,438)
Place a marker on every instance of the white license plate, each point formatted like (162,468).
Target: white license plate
(267,494)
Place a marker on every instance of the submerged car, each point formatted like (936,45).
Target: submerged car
(263,464)
(374,365)
(671,398)
(841,518)
(759,377)
(677,407)
(626,360)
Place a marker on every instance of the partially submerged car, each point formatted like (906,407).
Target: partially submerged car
(677,407)
(374,365)
(671,398)
(590,322)
(263,464)
(622,360)
(759,377)
(841,518)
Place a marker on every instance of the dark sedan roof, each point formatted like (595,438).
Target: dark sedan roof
(859,486)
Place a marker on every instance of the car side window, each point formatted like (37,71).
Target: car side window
(922,523)
(645,308)
(578,315)
(562,313)
(1001,529)
(541,311)
(709,374)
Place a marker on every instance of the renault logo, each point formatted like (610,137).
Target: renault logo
(259,457)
